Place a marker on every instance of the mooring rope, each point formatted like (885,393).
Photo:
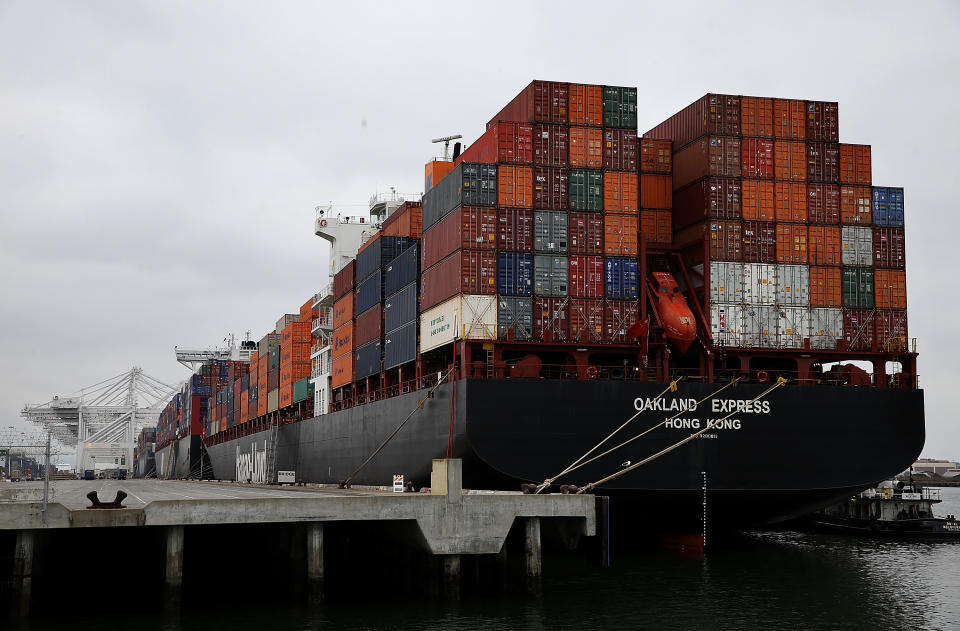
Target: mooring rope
(589,487)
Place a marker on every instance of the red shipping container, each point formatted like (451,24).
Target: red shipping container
(759,242)
(405,221)
(792,243)
(514,230)
(826,245)
(586,233)
(789,120)
(463,272)
(858,329)
(620,235)
(823,203)
(551,145)
(656,156)
(855,164)
(717,156)
(790,160)
(724,239)
(618,317)
(823,162)
(891,330)
(470,227)
(712,114)
(586,320)
(620,191)
(822,121)
(369,325)
(890,288)
(655,191)
(790,201)
(856,205)
(655,226)
(586,147)
(757,158)
(758,200)
(344,280)
(550,188)
(586,104)
(550,319)
(504,143)
(710,198)
(515,186)
(539,102)
(343,310)
(586,276)
(889,248)
(826,286)
(620,149)
(756,116)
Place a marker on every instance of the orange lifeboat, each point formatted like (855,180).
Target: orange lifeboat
(678,322)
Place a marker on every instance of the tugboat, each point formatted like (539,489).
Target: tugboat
(892,508)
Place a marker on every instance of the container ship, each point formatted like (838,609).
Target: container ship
(706,321)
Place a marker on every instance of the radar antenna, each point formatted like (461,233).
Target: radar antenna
(446,145)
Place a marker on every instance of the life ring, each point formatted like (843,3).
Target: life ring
(591,372)
(762,376)
(323,223)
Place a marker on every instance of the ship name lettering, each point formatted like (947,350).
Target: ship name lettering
(665,405)
(742,406)
(252,466)
(682,423)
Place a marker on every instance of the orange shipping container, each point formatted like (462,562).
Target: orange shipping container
(656,156)
(856,205)
(586,147)
(585,104)
(262,403)
(855,164)
(620,235)
(295,332)
(405,221)
(826,245)
(263,363)
(656,226)
(286,395)
(296,352)
(826,287)
(343,310)
(789,119)
(790,160)
(342,370)
(307,312)
(792,243)
(891,288)
(244,408)
(343,340)
(656,192)
(756,116)
(790,201)
(293,372)
(434,171)
(620,192)
(514,186)
(757,199)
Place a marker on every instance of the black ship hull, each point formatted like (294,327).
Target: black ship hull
(799,449)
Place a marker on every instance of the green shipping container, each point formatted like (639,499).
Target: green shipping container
(302,390)
(620,107)
(858,287)
(586,190)
(274,362)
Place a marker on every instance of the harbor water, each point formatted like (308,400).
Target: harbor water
(762,580)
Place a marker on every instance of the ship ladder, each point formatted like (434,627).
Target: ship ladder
(491,373)
(272,456)
(710,425)
(581,462)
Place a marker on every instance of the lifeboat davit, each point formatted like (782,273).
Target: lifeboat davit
(678,322)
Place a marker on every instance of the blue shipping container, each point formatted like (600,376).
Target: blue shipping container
(514,274)
(370,292)
(368,359)
(400,346)
(379,254)
(887,206)
(620,278)
(403,270)
(401,308)
(514,318)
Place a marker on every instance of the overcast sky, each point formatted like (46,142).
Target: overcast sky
(160,161)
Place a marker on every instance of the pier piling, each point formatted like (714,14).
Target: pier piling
(173,576)
(533,567)
(22,573)
(315,578)
(451,577)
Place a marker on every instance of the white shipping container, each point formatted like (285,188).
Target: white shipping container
(465,316)
(793,326)
(857,245)
(760,283)
(726,282)
(726,324)
(760,324)
(826,327)
(793,285)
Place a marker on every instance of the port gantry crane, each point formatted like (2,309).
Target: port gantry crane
(102,421)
